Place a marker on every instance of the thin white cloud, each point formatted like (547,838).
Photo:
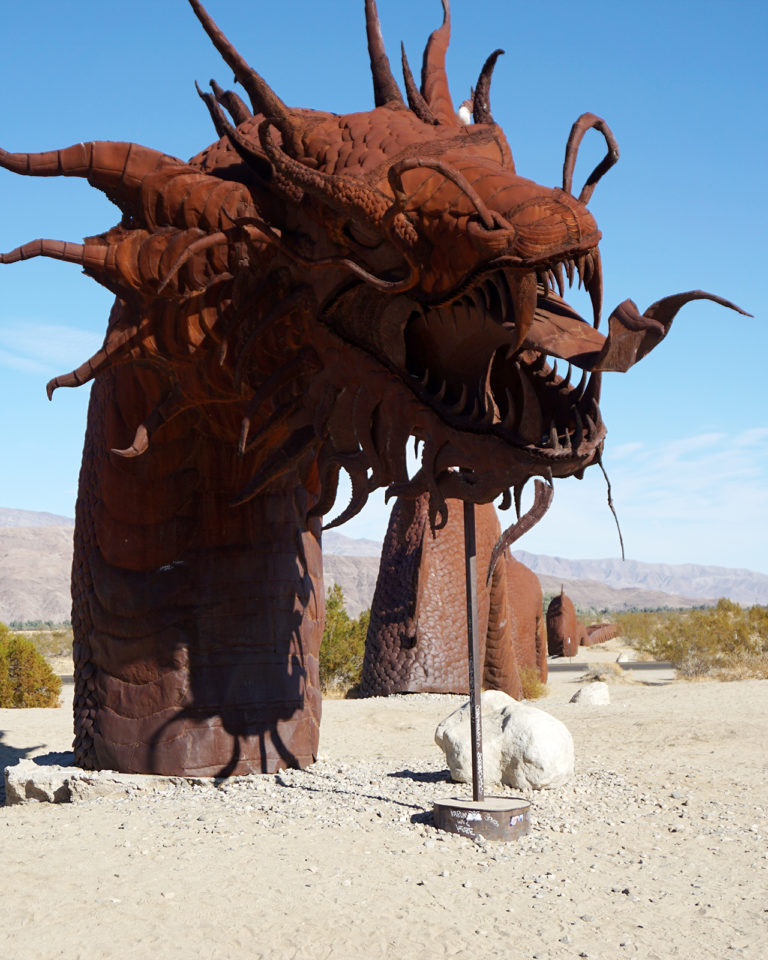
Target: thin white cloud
(623,450)
(14,361)
(694,499)
(45,347)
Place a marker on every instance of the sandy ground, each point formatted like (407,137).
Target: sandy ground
(656,849)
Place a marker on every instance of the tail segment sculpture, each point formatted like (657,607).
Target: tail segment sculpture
(600,633)
(566,633)
(417,634)
(302,297)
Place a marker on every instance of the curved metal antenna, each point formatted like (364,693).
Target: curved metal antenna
(586,122)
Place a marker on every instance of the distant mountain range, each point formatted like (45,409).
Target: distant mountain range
(31,518)
(610,584)
(36,557)
(741,586)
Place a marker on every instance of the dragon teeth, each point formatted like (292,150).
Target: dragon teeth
(578,432)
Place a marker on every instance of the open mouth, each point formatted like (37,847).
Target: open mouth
(477,362)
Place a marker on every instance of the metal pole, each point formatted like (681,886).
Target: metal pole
(475,709)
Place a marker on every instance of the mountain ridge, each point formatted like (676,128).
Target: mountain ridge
(36,558)
(706,582)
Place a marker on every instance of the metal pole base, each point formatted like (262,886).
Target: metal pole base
(494,818)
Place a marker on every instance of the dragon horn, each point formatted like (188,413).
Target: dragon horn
(229,99)
(118,347)
(481,101)
(263,98)
(115,168)
(416,101)
(90,256)
(434,81)
(385,88)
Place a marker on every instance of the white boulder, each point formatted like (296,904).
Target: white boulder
(594,694)
(29,782)
(453,736)
(523,747)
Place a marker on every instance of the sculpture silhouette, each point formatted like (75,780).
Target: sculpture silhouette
(417,634)
(302,297)
(565,632)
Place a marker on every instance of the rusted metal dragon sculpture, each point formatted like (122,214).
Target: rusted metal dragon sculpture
(302,297)
(566,633)
(417,633)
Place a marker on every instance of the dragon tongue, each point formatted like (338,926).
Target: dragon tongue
(558,330)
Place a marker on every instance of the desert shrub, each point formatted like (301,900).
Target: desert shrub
(343,646)
(26,680)
(533,688)
(725,641)
(51,642)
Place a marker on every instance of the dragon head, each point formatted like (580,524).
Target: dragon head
(327,287)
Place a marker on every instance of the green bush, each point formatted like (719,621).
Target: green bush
(725,641)
(343,646)
(26,680)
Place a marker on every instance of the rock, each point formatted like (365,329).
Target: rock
(523,747)
(536,749)
(595,694)
(454,739)
(29,782)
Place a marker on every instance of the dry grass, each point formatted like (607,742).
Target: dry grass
(533,688)
(605,673)
(53,642)
(725,642)
(754,667)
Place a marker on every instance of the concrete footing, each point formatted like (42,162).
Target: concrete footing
(32,781)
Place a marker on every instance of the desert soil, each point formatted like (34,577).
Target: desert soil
(656,848)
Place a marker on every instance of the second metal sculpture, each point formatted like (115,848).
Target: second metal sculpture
(416,639)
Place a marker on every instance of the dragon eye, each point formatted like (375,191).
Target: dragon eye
(362,235)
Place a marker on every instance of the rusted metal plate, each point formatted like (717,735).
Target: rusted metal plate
(494,818)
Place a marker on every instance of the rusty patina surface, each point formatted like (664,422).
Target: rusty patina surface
(416,639)
(305,296)
(566,633)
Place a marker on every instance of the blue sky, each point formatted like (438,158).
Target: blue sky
(682,85)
